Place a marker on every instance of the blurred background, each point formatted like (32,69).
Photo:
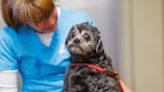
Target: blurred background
(133,36)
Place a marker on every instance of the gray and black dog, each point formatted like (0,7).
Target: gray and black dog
(91,69)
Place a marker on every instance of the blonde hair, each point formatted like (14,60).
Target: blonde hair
(21,12)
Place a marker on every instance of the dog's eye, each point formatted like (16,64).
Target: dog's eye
(86,37)
(73,35)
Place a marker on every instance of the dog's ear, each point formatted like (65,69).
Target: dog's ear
(99,43)
(99,46)
(95,30)
(97,37)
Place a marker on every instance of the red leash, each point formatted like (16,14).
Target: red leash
(111,72)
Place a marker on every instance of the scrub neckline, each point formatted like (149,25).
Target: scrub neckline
(55,37)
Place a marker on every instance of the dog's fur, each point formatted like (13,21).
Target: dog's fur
(85,46)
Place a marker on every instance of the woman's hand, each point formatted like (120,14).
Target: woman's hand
(125,87)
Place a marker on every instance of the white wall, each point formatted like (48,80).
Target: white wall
(142,47)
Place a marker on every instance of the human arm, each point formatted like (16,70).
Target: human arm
(8,81)
(125,87)
(8,64)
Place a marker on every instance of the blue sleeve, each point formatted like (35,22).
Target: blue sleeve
(8,60)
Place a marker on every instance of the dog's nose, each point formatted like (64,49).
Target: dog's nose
(76,41)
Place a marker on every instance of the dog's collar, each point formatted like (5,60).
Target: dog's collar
(110,72)
(89,65)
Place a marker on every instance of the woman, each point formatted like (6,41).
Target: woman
(33,44)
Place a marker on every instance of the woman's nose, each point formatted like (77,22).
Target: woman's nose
(50,21)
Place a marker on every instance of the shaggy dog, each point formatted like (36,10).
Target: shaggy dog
(91,69)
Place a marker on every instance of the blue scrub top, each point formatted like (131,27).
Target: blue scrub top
(42,68)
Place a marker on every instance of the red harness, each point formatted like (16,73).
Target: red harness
(111,72)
